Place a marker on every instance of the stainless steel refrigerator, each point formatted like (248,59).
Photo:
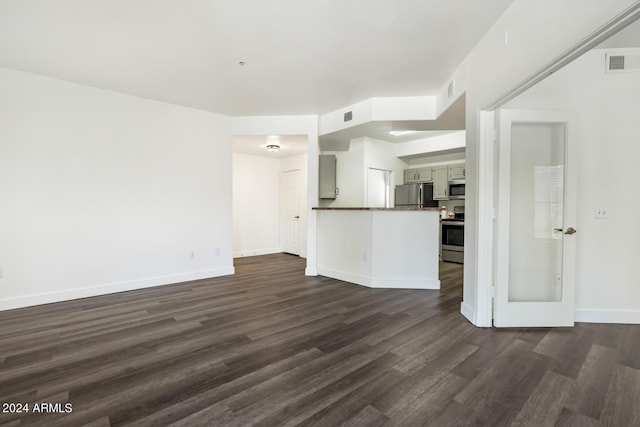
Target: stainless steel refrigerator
(418,195)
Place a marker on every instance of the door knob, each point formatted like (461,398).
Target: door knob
(298,217)
(570,230)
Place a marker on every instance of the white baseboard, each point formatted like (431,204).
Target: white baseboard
(467,311)
(607,316)
(405,283)
(110,288)
(380,283)
(256,252)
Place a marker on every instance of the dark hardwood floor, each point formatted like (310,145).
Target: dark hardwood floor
(272,347)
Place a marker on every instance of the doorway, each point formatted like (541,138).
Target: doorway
(378,185)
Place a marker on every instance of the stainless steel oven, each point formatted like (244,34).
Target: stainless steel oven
(452,235)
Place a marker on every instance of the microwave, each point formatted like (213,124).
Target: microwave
(456,190)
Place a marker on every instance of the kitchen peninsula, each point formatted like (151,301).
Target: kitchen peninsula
(380,247)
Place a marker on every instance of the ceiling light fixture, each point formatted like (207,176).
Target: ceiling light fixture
(401,132)
(273,147)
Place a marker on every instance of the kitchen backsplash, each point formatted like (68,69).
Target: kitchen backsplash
(450,204)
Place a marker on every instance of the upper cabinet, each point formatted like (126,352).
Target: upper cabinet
(456,172)
(410,176)
(418,175)
(439,175)
(327,176)
(440,183)
(425,175)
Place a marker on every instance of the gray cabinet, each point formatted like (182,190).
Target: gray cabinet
(327,176)
(409,176)
(440,183)
(456,172)
(417,175)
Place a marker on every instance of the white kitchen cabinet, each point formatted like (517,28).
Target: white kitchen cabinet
(327,176)
(456,172)
(418,175)
(425,175)
(440,183)
(410,176)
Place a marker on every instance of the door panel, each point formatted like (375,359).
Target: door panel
(289,211)
(537,191)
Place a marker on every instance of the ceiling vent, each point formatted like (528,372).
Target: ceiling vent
(623,62)
(448,92)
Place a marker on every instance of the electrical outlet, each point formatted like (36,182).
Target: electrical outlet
(217,251)
(192,254)
(0,272)
(600,213)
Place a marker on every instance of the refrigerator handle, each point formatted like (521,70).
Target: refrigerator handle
(420,198)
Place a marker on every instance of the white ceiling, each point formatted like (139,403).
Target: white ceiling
(302,57)
(290,145)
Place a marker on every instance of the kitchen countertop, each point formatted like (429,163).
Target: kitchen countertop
(377,209)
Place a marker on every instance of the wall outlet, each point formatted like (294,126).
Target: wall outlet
(600,213)
(192,254)
(0,272)
(217,251)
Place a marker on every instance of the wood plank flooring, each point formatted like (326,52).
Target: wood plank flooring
(271,347)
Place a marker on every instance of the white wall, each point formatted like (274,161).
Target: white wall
(256,205)
(350,176)
(105,192)
(382,155)
(487,73)
(608,133)
(433,145)
(352,170)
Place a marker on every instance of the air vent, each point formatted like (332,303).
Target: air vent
(623,62)
(348,116)
(616,62)
(450,90)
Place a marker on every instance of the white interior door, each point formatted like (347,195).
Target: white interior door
(289,211)
(536,219)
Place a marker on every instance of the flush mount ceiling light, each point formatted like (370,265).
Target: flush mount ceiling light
(273,147)
(401,132)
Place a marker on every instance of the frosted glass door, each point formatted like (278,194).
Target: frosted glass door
(536,211)
(536,215)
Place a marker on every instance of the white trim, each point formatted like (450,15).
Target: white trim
(485,241)
(405,283)
(255,252)
(467,311)
(380,283)
(109,288)
(607,316)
